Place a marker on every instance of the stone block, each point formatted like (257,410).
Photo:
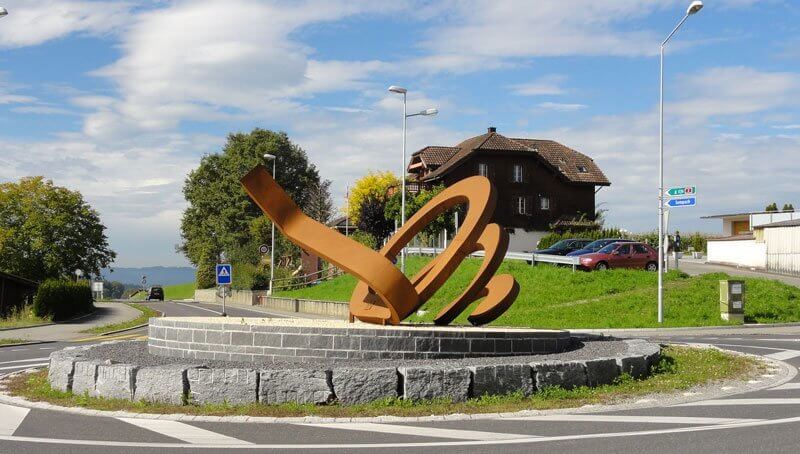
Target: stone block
(304,386)
(241,338)
(453,345)
(601,371)
(425,383)
(500,379)
(360,386)
(62,366)
(215,386)
(115,381)
(566,375)
(161,384)
(84,377)
(635,366)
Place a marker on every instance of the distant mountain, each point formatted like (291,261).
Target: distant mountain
(156,275)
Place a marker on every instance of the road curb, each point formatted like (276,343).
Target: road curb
(785,374)
(109,333)
(679,329)
(20,344)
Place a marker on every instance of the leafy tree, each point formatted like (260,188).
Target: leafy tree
(788,207)
(113,289)
(47,232)
(415,202)
(320,203)
(221,216)
(375,185)
(372,220)
(772,207)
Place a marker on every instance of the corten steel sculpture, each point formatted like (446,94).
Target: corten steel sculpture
(383,294)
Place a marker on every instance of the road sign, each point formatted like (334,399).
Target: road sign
(263,249)
(97,286)
(682,191)
(224,274)
(682,202)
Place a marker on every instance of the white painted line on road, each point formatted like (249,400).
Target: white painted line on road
(788,386)
(184,432)
(786,354)
(732,402)
(47,348)
(11,418)
(419,431)
(18,349)
(24,360)
(635,419)
(198,307)
(24,366)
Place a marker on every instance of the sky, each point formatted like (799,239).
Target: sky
(120,100)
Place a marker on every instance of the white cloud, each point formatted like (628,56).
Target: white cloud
(547,85)
(32,22)
(787,126)
(561,107)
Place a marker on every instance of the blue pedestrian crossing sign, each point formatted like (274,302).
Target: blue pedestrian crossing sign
(682,202)
(224,274)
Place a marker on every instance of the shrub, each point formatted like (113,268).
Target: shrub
(365,238)
(62,299)
(553,238)
(247,276)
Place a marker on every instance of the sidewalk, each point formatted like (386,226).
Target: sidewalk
(695,267)
(106,313)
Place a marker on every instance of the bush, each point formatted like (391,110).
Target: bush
(247,276)
(553,238)
(365,238)
(63,299)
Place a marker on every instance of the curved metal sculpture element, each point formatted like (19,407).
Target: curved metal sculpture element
(383,294)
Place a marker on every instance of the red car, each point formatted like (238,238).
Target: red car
(621,255)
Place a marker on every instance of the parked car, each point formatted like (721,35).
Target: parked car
(564,247)
(596,245)
(156,293)
(621,255)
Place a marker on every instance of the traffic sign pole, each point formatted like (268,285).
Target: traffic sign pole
(224,279)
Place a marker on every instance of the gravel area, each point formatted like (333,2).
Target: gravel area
(136,353)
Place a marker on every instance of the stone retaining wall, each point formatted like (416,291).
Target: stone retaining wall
(335,309)
(70,370)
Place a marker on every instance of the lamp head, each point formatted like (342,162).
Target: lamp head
(431,111)
(269,157)
(696,6)
(397,89)
(3,12)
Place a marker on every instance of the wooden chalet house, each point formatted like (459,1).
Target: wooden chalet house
(540,183)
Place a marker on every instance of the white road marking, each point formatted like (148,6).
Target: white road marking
(18,349)
(23,366)
(788,386)
(641,419)
(47,348)
(786,354)
(11,418)
(730,402)
(198,307)
(184,432)
(24,360)
(418,431)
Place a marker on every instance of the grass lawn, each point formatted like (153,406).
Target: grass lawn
(21,318)
(680,368)
(11,341)
(179,291)
(555,297)
(140,320)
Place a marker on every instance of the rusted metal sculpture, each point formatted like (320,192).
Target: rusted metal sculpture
(383,294)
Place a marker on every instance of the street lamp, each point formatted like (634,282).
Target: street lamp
(694,7)
(274,159)
(426,112)
(3,12)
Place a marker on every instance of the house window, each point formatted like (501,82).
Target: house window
(544,203)
(582,169)
(483,169)
(517,173)
(522,205)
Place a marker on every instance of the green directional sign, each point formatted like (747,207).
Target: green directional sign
(681,191)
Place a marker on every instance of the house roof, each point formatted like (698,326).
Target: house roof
(20,280)
(746,213)
(575,167)
(739,237)
(435,156)
(789,223)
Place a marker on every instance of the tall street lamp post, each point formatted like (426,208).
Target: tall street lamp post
(273,158)
(694,7)
(426,112)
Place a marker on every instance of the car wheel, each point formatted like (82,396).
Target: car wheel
(651,266)
(602,266)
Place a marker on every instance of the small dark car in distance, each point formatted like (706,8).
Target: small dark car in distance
(621,255)
(156,293)
(564,247)
(596,245)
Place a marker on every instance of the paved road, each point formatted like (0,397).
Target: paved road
(694,267)
(760,421)
(104,314)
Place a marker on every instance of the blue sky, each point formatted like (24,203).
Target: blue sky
(121,99)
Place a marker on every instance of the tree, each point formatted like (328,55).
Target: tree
(372,220)
(374,185)
(772,207)
(47,232)
(788,207)
(320,203)
(414,203)
(220,216)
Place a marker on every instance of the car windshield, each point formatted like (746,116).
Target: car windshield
(596,245)
(563,244)
(608,249)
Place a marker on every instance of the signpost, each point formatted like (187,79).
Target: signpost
(682,202)
(97,289)
(682,191)
(677,197)
(224,278)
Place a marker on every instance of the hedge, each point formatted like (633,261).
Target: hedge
(553,238)
(63,299)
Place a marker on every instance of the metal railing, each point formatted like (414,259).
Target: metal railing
(294,282)
(529,257)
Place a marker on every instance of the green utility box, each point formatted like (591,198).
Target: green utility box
(731,300)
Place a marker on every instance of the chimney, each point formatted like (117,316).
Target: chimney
(492,129)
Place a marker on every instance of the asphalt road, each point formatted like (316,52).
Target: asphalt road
(761,421)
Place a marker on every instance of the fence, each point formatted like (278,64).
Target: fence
(531,258)
(291,283)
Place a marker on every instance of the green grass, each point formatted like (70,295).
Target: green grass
(11,341)
(179,291)
(555,297)
(680,368)
(22,317)
(140,320)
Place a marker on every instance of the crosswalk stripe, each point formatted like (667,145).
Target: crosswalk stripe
(418,431)
(184,432)
(788,386)
(11,418)
(786,354)
(23,366)
(732,402)
(635,419)
(25,360)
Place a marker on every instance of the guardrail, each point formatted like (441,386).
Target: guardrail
(529,257)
